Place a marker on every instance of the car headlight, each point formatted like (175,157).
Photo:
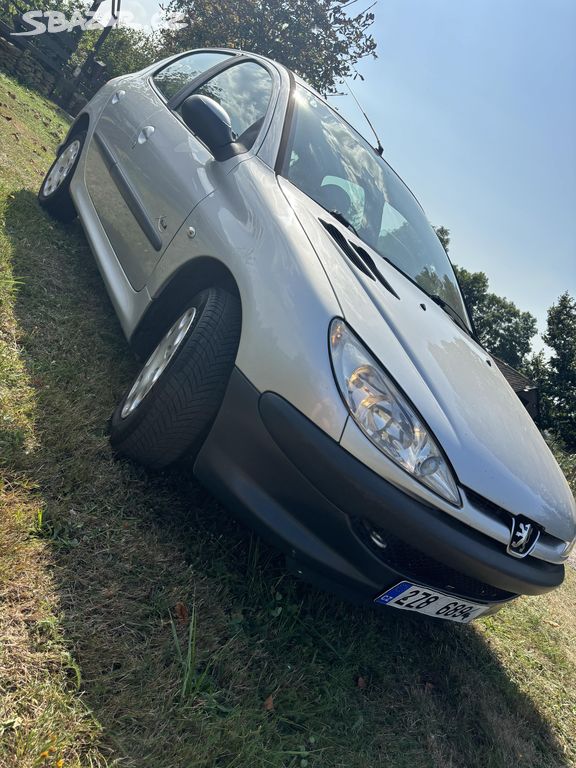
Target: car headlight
(385,416)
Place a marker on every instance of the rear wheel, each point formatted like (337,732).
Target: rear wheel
(167,411)
(54,195)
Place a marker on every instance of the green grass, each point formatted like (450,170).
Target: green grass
(142,626)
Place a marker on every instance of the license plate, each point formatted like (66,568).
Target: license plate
(413,597)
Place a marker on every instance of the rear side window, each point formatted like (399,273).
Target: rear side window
(244,91)
(183,71)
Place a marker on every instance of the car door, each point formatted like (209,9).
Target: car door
(172,170)
(140,200)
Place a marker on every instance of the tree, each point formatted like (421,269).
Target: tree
(560,378)
(537,370)
(502,328)
(475,289)
(443,236)
(318,39)
(125,50)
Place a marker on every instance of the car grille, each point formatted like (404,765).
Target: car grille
(549,545)
(415,565)
(488,507)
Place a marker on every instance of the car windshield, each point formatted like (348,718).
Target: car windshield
(335,166)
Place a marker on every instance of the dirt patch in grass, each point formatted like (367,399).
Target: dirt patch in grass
(142,626)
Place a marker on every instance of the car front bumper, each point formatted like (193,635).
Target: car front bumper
(304,493)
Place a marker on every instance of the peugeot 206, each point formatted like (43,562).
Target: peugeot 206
(304,341)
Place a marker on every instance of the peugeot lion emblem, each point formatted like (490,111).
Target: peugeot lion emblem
(523,537)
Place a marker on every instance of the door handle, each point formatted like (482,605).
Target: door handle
(145,134)
(117,96)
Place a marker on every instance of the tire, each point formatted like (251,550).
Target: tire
(54,195)
(170,420)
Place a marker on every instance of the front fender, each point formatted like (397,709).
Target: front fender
(287,300)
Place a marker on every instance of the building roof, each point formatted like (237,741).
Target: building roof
(517,380)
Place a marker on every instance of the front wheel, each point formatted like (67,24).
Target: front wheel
(54,195)
(168,410)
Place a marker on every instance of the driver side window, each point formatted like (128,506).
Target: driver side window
(244,91)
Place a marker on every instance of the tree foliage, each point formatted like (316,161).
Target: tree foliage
(322,40)
(443,236)
(502,328)
(556,377)
(125,50)
(318,39)
(536,369)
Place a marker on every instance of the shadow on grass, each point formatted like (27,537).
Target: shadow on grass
(350,687)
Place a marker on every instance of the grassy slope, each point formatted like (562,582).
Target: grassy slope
(96,557)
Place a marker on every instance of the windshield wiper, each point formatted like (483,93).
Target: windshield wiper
(449,309)
(342,219)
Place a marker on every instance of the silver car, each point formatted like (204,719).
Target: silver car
(305,340)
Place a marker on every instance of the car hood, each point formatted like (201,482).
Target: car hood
(492,443)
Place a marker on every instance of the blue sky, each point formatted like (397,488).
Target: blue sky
(475,104)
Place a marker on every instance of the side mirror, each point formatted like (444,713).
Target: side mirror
(211,123)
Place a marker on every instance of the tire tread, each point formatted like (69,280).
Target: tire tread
(183,403)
